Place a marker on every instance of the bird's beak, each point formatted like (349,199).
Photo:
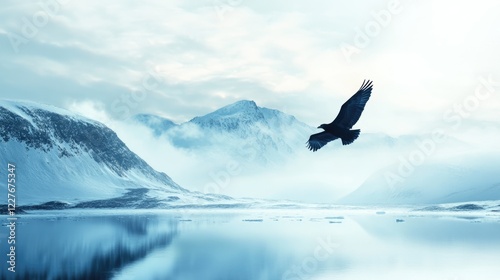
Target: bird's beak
(319,126)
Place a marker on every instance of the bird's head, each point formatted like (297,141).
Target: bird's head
(322,126)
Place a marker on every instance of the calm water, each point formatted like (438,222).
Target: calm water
(284,244)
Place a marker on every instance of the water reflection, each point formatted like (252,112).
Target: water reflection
(253,245)
(85,247)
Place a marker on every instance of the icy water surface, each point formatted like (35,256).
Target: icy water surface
(271,244)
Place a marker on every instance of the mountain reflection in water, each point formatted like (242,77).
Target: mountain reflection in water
(251,245)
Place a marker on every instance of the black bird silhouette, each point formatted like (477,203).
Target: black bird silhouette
(348,116)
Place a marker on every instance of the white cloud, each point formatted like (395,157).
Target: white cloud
(289,51)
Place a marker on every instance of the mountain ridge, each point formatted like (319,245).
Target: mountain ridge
(61,156)
(459,178)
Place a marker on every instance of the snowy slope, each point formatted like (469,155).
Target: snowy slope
(459,178)
(60,156)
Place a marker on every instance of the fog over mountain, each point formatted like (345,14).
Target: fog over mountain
(246,150)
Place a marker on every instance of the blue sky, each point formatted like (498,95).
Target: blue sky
(180,59)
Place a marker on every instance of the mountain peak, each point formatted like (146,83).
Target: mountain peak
(231,116)
(238,106)
(243,103)
(80,159)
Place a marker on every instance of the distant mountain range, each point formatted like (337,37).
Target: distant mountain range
(273,136)
(241,129)
(267,130)
(459,178)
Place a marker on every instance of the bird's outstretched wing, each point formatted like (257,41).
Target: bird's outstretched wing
(318,140)
(351,110)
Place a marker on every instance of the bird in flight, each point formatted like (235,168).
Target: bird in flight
(348,116)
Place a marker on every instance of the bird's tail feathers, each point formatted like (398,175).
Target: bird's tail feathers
(350,137)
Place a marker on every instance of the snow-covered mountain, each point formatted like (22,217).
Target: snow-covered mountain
(459,178)
(241,129)
(158,124)
(60,156)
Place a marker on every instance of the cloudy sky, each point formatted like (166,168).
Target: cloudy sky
(180,59)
